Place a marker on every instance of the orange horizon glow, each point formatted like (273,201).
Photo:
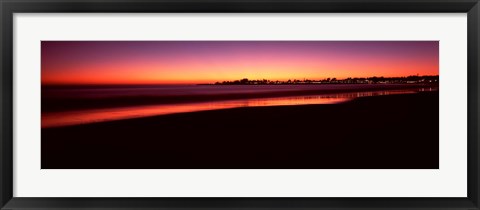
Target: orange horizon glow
(195,62)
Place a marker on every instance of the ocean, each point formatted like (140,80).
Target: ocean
(73,105)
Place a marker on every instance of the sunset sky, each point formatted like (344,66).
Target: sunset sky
(193,62)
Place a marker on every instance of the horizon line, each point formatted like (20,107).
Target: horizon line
(212,82)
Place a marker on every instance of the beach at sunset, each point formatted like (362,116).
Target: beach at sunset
(240,105)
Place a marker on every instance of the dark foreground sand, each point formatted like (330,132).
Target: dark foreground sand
(381,132)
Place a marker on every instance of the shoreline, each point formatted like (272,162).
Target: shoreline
(76,117)
(50,104)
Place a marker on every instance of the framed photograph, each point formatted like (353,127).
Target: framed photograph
(239,104)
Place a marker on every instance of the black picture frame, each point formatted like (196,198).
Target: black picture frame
(9,7)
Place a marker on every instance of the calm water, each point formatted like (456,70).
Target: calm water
(189,90)
(55,119)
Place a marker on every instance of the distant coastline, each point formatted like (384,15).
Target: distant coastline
(426,79)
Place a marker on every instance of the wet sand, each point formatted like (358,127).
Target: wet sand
(76,101)
(379,132)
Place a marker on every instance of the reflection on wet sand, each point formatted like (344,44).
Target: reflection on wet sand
(66,118)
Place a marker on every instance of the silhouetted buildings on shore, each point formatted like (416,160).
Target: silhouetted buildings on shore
(356,80)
